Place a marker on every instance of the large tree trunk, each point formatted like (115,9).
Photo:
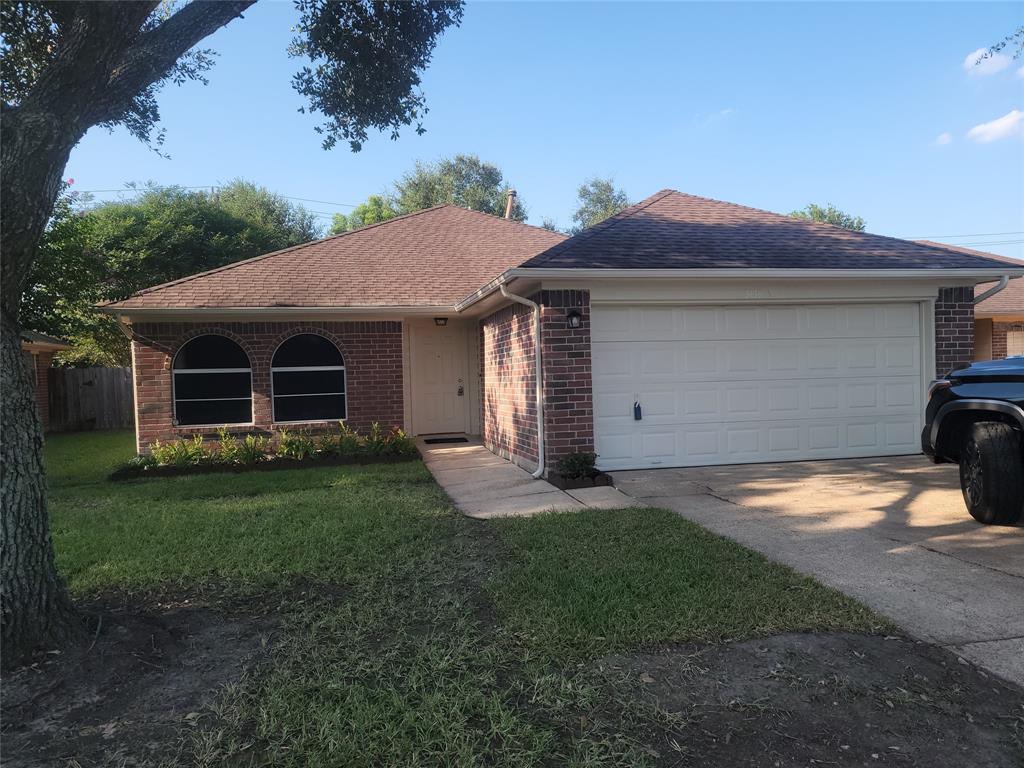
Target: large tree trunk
(36,609)
(103,61)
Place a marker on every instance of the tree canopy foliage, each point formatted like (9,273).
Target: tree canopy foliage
(112,250)
(830,215)
(463,180)
(597,200)
(376,209)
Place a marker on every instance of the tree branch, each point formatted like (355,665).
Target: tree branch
(153,54)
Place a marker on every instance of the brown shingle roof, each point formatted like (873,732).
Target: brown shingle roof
(1009,301)
(429,258)
(671,230)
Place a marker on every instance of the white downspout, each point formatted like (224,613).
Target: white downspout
(1003,282)
(538,378)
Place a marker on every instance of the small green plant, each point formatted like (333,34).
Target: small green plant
(295,445)
(181,453)
(576,466)
(377,441)
(142,461)
(228,447)
(349,443)
(253,449)
(400,444)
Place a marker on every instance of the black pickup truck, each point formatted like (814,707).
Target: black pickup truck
(975,417)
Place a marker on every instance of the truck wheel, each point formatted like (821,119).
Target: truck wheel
(992,473)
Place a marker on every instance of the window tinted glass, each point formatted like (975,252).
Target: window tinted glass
(305,350)
(214,412)
(308,382)
(211,352)
(193,386)
(309,408)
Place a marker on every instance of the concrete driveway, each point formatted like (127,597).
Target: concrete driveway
(890,532)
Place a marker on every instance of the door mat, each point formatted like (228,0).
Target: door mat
(439,440)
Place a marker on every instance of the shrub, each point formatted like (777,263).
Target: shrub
(228,447)
(295,445)
(575,466)
(253,449)
(400,444)
(377,441)
(181,453)
(349,443)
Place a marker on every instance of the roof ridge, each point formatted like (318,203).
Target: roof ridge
(603,225)
(279,252)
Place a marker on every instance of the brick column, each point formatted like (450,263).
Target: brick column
(568,387)
(999,331)
(954,329)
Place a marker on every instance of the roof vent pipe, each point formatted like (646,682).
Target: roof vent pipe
(510,201)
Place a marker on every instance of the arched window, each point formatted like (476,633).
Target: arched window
(308,380)
(212,383)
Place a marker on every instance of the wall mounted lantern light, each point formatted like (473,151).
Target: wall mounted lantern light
(574,318)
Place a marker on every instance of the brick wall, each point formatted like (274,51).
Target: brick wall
(373,371)
(507,385)
(999,331)
(568,393)
(509,415)
(954,329)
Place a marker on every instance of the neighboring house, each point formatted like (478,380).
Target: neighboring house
(39,350)
(681,331)
(998,320)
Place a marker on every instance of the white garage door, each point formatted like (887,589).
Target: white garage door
(740,384)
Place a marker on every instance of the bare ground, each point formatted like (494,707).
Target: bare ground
(822,699)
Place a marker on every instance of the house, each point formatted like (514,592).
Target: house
(999,323)
(39,350)
(681,331)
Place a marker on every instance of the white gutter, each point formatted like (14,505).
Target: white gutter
(538,378)
(1003,282)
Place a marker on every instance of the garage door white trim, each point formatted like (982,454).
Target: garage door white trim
(742,383)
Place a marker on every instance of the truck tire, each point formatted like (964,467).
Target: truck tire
(992,473)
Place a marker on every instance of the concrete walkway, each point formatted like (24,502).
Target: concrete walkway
(484,486)
(890,532)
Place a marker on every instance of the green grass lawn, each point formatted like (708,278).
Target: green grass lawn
(438,640)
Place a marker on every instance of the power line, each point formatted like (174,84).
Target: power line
(976,234)
(206,186)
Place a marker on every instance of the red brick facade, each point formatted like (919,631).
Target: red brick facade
(373,369)
(568,395)
(999,331)
(954,329)
(507,385)
(507,381)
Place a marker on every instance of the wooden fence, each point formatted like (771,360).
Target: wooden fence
(91,398)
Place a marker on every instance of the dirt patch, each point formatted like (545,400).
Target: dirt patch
(131,691)
(823,699)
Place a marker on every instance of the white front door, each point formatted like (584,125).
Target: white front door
(440,378)
(742,383)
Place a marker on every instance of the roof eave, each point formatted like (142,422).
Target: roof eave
(592,273)
(275,312)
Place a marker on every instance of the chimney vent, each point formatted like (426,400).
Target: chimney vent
(510,201)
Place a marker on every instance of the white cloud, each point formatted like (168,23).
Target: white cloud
(942,139)
(995,62)
(1007,125)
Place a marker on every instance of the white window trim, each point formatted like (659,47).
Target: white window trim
(174,398)
(301,368)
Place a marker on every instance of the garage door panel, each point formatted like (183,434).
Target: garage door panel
(707,444)
(741,384)
(661,323)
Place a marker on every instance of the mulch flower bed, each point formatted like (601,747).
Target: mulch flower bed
(571,483)
(272,463)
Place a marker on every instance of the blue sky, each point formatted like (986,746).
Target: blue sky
(765,104)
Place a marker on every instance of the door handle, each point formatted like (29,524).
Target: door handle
(461,390)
